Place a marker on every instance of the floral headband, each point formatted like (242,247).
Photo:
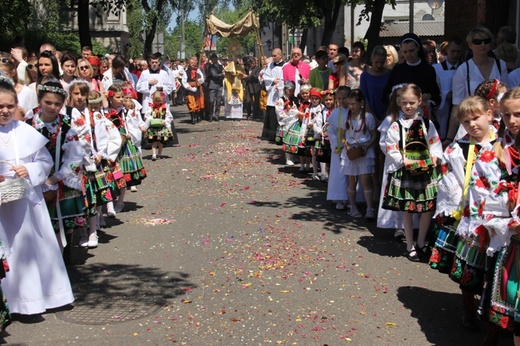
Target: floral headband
(328,92)
(52,89)
(78,81)
(110,93)
(96,100)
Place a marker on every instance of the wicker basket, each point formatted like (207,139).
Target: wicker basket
(12,189)
(415,166)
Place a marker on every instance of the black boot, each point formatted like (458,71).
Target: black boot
(193,118)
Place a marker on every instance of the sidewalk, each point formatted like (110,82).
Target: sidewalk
(225,245)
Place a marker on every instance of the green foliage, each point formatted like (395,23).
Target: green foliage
(366,12)
(15,17)
(193,38)
(134,19)
(172,45)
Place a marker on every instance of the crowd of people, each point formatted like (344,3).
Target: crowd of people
(432,138)
(425,138)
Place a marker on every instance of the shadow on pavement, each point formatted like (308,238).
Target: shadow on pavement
(97,285)
(439,315)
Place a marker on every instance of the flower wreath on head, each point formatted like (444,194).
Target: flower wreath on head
(52,89)
(328,92)
(77,81)
(96,100)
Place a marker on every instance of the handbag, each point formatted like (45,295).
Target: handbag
(156,123)
(354,152)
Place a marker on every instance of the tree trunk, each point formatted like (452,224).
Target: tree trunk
(372,34)
(331,17)
(150,33)
(303,42)
(84,23)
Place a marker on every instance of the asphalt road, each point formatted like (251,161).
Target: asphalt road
(225,245)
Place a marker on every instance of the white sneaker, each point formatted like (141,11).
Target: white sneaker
(119,207)
(92,241)
(340,205)
(370,215)
(315,177)
(289,163)
(133,188)
(354,213)
(324,177)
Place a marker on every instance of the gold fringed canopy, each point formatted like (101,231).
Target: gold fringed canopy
(215,26)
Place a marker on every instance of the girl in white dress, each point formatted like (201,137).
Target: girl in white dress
(359,131)
(337,187)
(37,279)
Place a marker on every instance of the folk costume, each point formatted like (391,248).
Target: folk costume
(68,142)
(129,158)
(286,113)
(414,139)
(294,138)
(158,120)
(192,81)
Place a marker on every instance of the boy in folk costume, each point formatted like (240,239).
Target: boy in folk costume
(192,80)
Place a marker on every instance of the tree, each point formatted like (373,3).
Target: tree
(373,12)
(192,37)
(152,19)
(16,16)
(134,19)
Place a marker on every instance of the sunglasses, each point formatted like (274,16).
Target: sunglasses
(479,41)
(83,67)
(5,60)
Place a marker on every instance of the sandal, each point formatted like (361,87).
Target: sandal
(424,252)
(413,255)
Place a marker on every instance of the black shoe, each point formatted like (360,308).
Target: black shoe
(413,256)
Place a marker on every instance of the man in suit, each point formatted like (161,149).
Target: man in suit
(215,78)
(253,87)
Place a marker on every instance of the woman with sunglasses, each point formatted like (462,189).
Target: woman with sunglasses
(85,71)
(31,71)
(481,67)
(26,96)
